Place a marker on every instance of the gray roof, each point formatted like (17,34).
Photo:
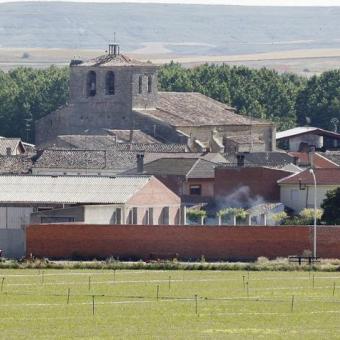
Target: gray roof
(86,159)
(20,164)
(170,166)
(262,158)
(301,130)
(195,109)
(12,143)
(202,169)
(119,142)
(189,167)
(69,189)
(119,161)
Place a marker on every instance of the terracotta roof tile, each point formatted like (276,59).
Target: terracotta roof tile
(330,176)
(195,109)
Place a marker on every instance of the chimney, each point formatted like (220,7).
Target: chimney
(8,151)
(240,160)
(140,163)
(311,155)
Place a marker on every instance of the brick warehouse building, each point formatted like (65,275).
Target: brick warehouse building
(116,92)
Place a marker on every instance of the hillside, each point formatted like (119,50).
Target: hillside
(174,29)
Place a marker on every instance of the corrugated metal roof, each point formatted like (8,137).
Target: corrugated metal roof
(69,189)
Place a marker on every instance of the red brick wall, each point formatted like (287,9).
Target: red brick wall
(136,242)
(261,181)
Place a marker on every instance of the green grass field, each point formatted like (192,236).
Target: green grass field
(34,304)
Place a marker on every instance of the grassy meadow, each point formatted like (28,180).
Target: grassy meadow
(160,304)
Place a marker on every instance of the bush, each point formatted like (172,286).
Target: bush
(196,215)
(305,217)
(239,213)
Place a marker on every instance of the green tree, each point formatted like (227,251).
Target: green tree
(331,207)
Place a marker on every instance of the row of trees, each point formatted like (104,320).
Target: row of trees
(286,99)
(27,94)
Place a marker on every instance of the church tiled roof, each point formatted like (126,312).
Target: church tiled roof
(195,109)
(112,60)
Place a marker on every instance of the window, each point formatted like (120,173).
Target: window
(91,84)
(149,84)
(195,189)
(134,216)
(110,83)
(140,84)
(165,215)
(146,218)
(150,215)
(116,217)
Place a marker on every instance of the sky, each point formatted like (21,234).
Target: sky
(220,2)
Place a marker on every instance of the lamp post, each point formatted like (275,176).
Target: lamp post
(314,238)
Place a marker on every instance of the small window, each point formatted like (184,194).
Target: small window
(149,84)
(91,84)
(134,216)
(140,84)
(146,218)
(119,216)
(151,216)
(110,83)
(165,215)
(195,189)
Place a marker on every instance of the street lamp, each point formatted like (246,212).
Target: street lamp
(311,171)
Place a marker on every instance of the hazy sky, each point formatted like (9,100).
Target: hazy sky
(224,2)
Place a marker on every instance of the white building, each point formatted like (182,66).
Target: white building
(297,190)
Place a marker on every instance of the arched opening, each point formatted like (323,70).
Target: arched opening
(91,84)
(110,83)
(140,84)
(149,84)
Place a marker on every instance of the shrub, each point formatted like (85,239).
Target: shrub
(239,213)
(196,215)
(279,217)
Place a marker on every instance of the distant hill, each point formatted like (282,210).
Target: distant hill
(177,29)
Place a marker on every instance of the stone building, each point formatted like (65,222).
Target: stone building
(116,92)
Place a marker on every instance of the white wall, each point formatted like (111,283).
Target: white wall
(101,214)
(296,199)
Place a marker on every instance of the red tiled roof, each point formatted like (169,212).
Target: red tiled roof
(330,176)
(319,160)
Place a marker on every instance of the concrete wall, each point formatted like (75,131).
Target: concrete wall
(69,214)
(12,243)
(189,242)
(296,199)
(310,139)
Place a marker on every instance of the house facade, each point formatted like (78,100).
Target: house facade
(297,191)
